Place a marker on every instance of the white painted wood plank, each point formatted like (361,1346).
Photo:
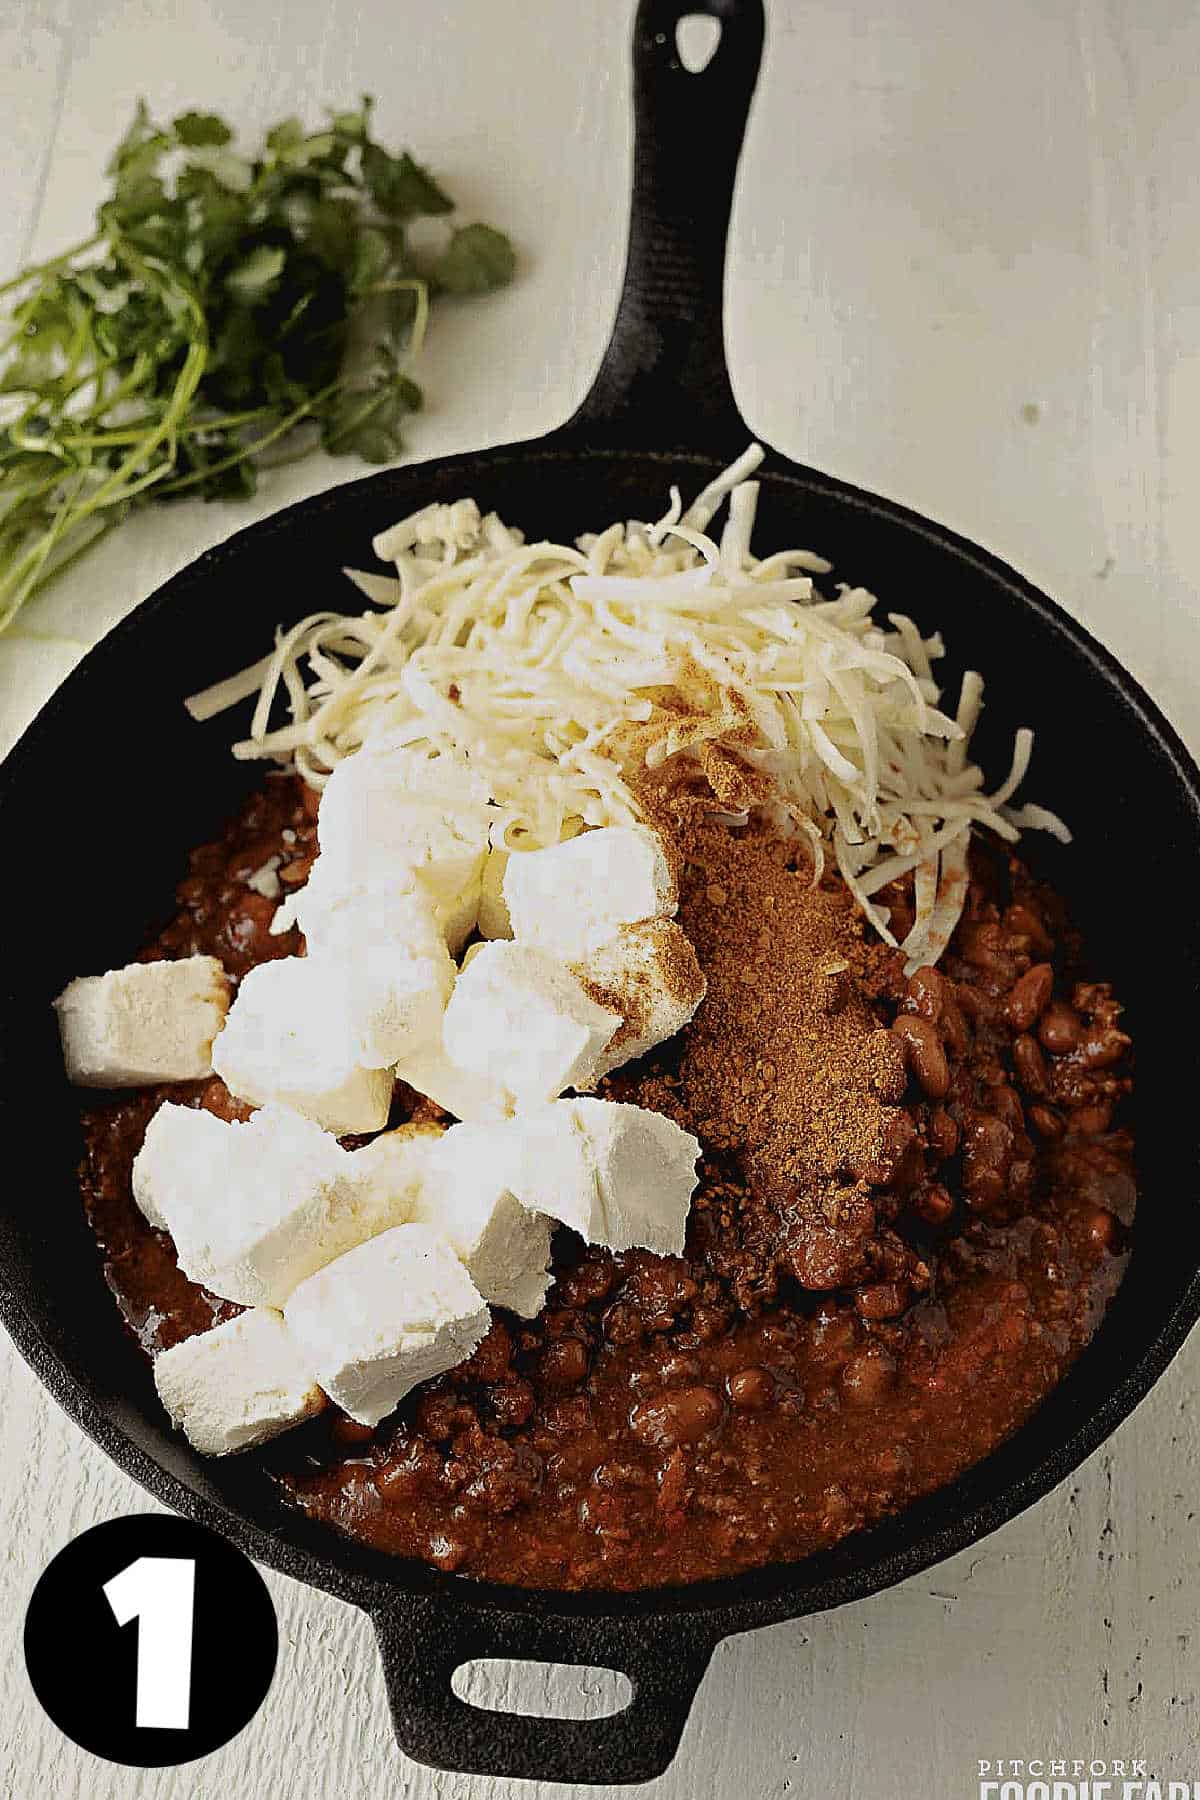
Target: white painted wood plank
(942,221)
(32,70)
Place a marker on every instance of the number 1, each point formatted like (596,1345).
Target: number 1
(159,1592)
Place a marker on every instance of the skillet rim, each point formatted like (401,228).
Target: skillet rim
(755,1596)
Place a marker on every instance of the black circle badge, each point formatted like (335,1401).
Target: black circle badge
(150,1641)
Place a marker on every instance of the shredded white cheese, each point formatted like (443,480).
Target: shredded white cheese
(540,662)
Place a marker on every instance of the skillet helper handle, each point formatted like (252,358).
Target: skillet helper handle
(665,362)
(424,1641)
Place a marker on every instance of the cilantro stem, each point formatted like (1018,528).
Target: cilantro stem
(39,270)
(286,424)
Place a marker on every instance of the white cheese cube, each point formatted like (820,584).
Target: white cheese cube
(505,1247)
(570,897)
(289,1040)
(493,920)
(147,1022)
(649,974)
(386,810)
(616,1174)
(390,1174)
(464,1094)
(517,1013)
(170,1171)
(390,951)
(253,1208)
(394,1312)
(237,1385)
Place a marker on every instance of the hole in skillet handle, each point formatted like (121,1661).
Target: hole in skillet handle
(568,1690)
(424,1640)
(696,38)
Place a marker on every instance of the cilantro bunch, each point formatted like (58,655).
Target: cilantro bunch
(229,313)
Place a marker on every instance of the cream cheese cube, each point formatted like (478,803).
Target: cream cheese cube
(386,810)
(147,1022)
(253,1208)
(649,974)
(431,1071)
(506,1248)
(170,1171)
(386,1316)
(516,1012)
(391,1172)
(615,1173)
(289,1040)
(390,952)
(237,1385)
(493,920)
(570,897)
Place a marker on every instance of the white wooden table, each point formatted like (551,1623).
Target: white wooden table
(962,272)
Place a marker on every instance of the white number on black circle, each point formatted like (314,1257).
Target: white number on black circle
(159,1592)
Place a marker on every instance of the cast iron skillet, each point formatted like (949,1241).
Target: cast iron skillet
(112,785)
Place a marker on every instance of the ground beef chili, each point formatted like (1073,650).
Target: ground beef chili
(882,1278)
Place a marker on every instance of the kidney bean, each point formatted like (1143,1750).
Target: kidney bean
(882,1299)
(682,1416)
(709,1322)
(440,1415)
(1091,1121)
(980,945)
(1006,1103)
(564,1363)
(1019,917)
(678,1367)
(620,1477)
(955,1030)
(1103,1231)
(751,1389)
(512,1402)
(1020,1177)
(1100,1049)
(925,994)
(415,1472)
(492,1356)
(1059,1028)
(1046,1121)
(835,1332)
(924,1053)
(869,1376)
(876,1165)
(934,1204)
(1029,996)
(987,1142)
(943,1133)
(623,1324)
(1030,1064)
(587,1281)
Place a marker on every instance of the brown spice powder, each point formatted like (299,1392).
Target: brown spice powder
(785,1067)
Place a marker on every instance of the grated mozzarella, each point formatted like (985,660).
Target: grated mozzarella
(544,663)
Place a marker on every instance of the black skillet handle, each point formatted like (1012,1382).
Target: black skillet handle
(665,362)
(423,1641)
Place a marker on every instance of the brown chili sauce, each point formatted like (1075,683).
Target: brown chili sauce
(804,1369)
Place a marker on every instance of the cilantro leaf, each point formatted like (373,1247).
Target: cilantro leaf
(231,309)
(476,260)
(257,273)
(365,422)
(399,186)
(196,128)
